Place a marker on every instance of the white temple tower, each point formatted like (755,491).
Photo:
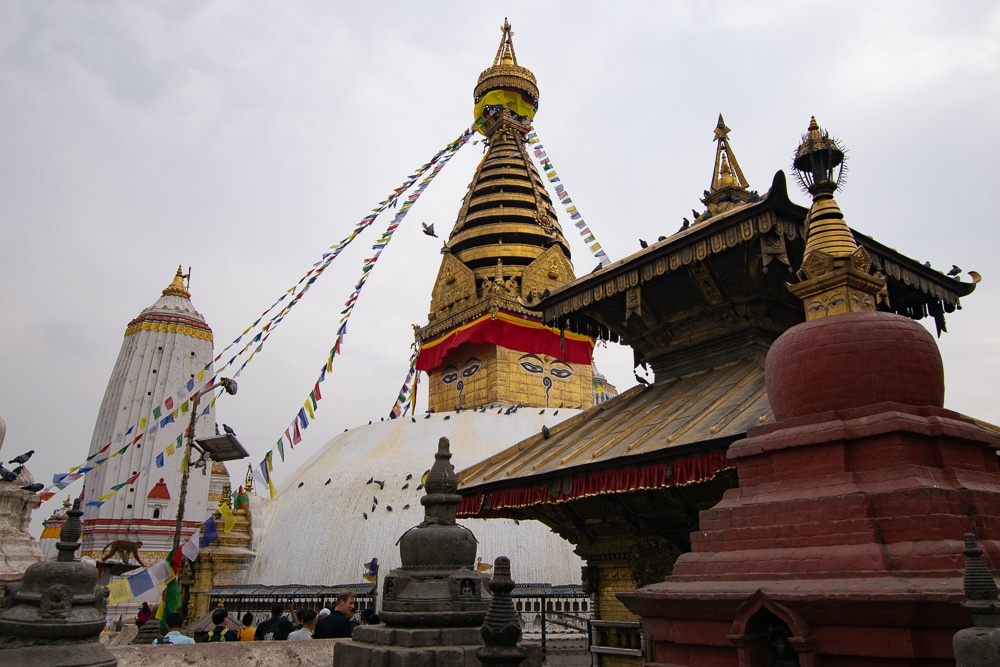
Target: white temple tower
(166,356)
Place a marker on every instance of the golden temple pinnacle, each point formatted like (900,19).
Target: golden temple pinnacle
(835,269)
(177,287)
(483,342)
(506,85)
(729,187)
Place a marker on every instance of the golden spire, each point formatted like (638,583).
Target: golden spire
(505,250)
(835,269)
(729,187)
(177,287)
(505,88)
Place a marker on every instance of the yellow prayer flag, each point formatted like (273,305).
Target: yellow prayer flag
(308,406)
(107,496)
(142,424)
(119,591)
(170,449)
(228,519)
(185,406)
(201,375)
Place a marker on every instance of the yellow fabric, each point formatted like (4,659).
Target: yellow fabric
(228,519)
(246,634)
(119,591)
(509,98)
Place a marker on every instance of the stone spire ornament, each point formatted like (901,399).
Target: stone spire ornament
(437,585)
(55,616)
(835,273)
(978,646)
(502,628)
(433,605)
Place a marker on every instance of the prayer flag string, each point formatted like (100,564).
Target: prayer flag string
(588,236)
(293,433)
(178,403)
(407,393)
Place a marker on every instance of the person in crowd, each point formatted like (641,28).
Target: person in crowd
(338,623)
(144,615)
(370,617)
(247,633)
(308,619)
(220,633)
(276,628)
(174,621)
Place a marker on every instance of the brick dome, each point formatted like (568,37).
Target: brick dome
(853,360)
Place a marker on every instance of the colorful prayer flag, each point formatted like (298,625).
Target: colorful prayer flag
(211,533)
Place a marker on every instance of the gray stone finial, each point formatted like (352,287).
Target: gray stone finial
(501,629)
(69,535)
(978,581)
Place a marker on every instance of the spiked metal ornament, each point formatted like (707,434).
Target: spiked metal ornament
(819,161)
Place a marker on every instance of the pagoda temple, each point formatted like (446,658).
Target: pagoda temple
(843,544)
(626,480)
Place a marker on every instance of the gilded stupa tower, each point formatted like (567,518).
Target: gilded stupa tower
(483,343)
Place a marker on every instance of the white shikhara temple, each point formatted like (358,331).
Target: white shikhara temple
(166,347)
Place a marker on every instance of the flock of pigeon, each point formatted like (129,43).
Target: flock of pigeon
(381,486)
(10,476)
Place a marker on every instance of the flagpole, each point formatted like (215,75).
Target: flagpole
(230,387)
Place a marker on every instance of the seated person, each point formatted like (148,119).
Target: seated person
(174,621)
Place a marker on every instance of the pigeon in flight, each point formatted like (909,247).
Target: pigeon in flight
(429,229)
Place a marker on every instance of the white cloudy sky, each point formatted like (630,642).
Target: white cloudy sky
(244,138)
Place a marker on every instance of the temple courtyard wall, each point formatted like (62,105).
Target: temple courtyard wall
(562,652)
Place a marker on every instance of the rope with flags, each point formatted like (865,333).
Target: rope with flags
(178,403)
(293,433)
(407,398)
(564,198)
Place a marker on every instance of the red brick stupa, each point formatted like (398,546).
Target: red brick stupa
(843,544)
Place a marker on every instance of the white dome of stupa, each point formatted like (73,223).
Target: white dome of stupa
(327,519)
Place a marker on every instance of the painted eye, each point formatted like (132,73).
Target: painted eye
(532,367)
(560,372)
(450,376)
(471,369)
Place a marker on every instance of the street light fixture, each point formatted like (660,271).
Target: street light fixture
(230,388)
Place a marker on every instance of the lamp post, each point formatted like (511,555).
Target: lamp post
(230,387)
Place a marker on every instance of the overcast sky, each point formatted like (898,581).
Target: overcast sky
(242,139)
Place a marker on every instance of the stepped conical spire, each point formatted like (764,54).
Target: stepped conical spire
(505,250)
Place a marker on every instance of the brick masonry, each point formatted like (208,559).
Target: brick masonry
(847,525)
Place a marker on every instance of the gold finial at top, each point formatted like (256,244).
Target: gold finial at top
(505,54)
(835,270)
(505,85)
(819,161)
(729,187)
(178,286)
